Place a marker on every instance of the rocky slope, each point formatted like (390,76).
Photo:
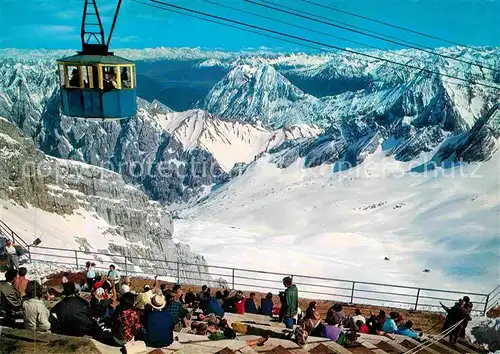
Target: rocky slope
(266,102)
(30,178)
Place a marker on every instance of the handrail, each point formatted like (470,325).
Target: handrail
(271,273)
(247,279)
(350,287)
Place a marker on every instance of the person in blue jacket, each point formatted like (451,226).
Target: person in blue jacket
(250,305)
(390,323)
(213,306)
(266,305)
(158,324)
(406,330)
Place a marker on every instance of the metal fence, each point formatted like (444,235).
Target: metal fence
(8,232)
(348,291)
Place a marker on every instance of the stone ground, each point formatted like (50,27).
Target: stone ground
(23,342)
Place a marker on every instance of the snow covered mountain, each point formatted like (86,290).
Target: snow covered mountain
(262,94)
(55,196)
(262,104)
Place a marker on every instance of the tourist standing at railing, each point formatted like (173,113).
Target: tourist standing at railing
(468,306)
(115,275)
(12,258)
(290,302)
(90,274)
(337,316)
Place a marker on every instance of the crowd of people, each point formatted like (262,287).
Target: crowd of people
(116,315)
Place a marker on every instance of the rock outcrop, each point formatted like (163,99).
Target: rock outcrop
(29,177)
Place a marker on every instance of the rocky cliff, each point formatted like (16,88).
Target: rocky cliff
(29,177)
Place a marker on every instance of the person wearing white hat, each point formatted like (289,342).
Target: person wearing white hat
(158,324)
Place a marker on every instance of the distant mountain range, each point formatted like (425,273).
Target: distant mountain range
(202,113)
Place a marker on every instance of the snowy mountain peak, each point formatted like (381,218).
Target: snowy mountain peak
(259,93)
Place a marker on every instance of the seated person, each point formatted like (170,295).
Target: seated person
(20,283)
(101,303)
(250,305)
(72,315)
(158,324)
(213,306)
(406,330)
(36,315)
(361,327)
(266,305)
(10,297)
(126,322)
(190,297)
(390,323)
(147,294)
(175,307)
(357,317)
(75,78)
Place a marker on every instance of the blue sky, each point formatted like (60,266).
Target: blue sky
(55,24)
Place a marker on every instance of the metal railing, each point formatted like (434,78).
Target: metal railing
(6,231)
(348,291)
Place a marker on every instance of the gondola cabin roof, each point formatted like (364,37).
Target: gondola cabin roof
(84,59)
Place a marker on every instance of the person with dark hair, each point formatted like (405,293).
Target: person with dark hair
(219,297)
(175,307)
(127,321)
(72,315)
(158,325)
(90,274)
(336,316)
(290,304)
(190,297)
(35,314)
(12,257)
(375,323)
(212,306)
(468,306)
(266,305)
(21,282)
(357,317)
(115,276)
(454,315)
(199,295)
(125,286)
(250,305)
(74,80)
(308,324)
(406,330)
(390,323)
(10,297)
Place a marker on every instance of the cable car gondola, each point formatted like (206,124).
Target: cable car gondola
(95,83)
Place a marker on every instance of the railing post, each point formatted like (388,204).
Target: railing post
(29,252)
(126,268)
(233,280)
(352,292)
(76,259)
(178,273)
(416,301)
(486,304)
